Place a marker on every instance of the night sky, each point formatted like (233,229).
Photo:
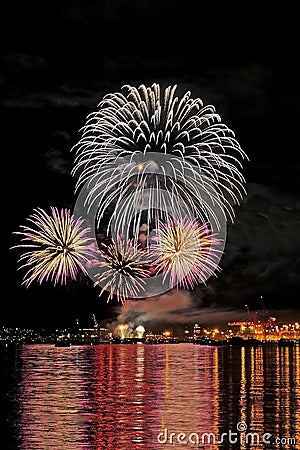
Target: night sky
(58,59)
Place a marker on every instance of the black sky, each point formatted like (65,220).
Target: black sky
(57,61)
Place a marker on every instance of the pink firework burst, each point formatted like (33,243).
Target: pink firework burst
(185,251)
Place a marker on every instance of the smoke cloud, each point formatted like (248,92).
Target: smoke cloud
(176,307)
(157,309)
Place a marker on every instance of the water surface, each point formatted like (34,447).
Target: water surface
(121,397)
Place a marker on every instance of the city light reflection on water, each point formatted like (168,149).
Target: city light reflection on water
(115,397)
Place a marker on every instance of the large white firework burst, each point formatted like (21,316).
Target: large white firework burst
(144,141)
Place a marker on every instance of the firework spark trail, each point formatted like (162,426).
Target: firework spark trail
(186,251)
(118,138)
(133,192)
(59,246)
(122,269)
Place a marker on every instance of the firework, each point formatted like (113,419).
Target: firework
(148,140)
(186,252)
(122,269)
(58,247)
(122,330)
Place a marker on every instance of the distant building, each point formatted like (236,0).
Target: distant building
(268,329)
(197,332)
